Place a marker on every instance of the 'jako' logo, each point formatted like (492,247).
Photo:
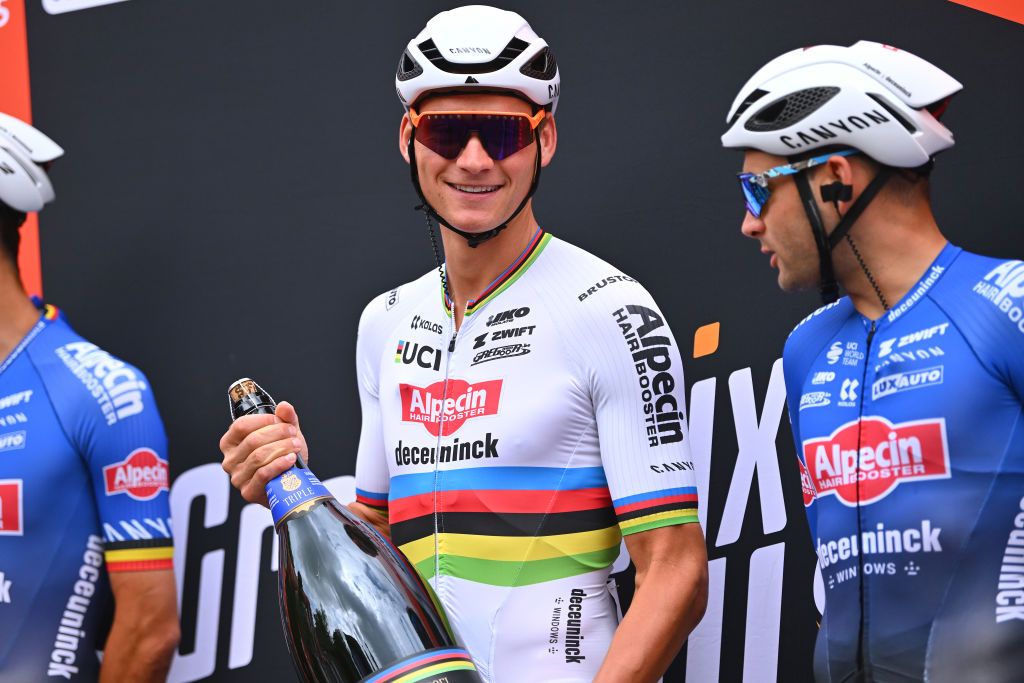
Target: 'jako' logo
(430,405)
(889,454)
(142,475)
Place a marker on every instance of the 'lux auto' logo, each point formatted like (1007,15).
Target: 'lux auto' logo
(863,461)
(5,16)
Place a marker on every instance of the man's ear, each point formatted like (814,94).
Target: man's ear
(405,132)
(548,139)
(839,188)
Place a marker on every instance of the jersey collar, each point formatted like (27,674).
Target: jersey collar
(515,270)
(47,315)
(916,293)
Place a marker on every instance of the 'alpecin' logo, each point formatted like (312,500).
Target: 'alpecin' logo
(433,407)
(888,454)
(142,475)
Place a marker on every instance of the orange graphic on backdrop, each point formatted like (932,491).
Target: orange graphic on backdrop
(15,100)
(1007,9)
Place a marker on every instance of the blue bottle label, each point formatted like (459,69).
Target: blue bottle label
(293,489)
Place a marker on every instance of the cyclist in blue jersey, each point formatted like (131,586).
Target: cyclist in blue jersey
(905,396)
(523,413)
(86,585)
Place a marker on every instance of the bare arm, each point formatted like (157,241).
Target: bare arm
(145,632)
(670,598)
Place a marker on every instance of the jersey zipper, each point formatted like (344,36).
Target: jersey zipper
(862,655)
(437,453)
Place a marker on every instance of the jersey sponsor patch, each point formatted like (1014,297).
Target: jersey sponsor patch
(12,441)
(806,485)
(444,411)
(905,381)
(11,508)
(815,399)
(649,345)
(886,346)
(889,454)
(142,475)
(16,399)
(116,386)
(1004,287)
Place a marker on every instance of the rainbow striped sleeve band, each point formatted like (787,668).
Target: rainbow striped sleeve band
(136,556)
(377,501)
(654,509)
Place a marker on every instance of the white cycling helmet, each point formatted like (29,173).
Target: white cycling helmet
(873,97)
(483,47)
(24,185)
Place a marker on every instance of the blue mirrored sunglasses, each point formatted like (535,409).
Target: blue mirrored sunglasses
(755,185)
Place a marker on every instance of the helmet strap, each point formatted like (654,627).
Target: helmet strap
(836,192)
(474,239)
(828,288)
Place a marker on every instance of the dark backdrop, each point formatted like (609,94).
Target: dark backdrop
(233,195)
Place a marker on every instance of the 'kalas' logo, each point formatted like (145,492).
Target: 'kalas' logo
(884,455)
(433,407)
(142,475)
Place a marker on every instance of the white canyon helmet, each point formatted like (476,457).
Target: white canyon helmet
(869,97)
(24,185)
(484,50)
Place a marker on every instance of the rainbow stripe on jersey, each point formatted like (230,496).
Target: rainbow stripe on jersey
(515,270)
(516,526)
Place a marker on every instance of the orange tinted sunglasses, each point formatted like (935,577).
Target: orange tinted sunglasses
(502,133)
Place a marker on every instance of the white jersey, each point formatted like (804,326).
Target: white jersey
(513,455)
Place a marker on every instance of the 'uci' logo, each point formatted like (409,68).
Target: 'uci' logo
(424,356)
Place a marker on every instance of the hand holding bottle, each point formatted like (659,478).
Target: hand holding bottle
(259,447)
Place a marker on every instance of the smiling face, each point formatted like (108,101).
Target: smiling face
(473,191)
(783,229)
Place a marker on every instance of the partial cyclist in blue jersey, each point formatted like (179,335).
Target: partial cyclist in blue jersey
(86,583)
(905,396)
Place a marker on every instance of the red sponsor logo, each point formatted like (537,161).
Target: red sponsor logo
(11,519)
(444,411)
(142,475)
(866,460)
(806,485)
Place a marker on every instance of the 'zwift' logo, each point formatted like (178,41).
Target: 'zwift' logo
(445,411)
(142,475)
(874,455)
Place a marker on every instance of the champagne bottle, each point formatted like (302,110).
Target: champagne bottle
(352,608)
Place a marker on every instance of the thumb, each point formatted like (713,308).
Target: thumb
(286,413)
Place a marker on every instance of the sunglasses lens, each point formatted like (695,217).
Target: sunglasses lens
(755,195)
(501,135)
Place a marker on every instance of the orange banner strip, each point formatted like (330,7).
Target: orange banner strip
(15,99)
(1007,9)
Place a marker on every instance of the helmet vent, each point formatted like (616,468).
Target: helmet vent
(542,66)
(514,48)
(745,104)
(407,67)
(790,109)
(893,112)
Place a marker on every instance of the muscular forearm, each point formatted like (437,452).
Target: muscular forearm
(668,603)
(138,649)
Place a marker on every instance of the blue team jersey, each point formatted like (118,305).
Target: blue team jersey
(83,492)
(911,442)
